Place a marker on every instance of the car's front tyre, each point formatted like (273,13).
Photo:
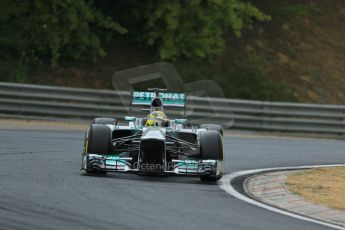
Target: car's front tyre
(211,148)
(97,141)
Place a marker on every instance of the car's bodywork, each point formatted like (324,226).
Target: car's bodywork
(170,148)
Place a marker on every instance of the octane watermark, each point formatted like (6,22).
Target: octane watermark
(126,79)
(152,167)
(159,167)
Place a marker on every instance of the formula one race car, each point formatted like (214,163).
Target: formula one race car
(154,144)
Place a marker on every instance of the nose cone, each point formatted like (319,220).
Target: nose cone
(153,133)
(152,150)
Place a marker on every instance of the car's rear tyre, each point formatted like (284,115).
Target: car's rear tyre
(104,121)
(98,142)
(214,127)
(211,148)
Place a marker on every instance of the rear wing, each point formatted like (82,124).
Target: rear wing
(177,100)
(168,99)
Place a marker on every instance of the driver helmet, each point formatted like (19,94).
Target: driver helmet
(155,118)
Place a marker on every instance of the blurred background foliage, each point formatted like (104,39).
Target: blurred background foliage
(37,31)
(48,42)
(184,29)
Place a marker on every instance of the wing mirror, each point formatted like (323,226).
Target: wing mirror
(130,119)
(180,121)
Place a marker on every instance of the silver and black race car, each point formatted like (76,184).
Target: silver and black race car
(154,144)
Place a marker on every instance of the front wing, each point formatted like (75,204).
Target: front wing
(111,163)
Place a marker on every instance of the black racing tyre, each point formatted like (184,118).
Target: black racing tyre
(104,121)
(211,145)
(215,127)
(99,139)
(98,142)
(211,148)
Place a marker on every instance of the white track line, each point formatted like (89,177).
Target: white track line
(225,184)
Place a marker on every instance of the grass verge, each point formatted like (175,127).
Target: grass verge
(325,186)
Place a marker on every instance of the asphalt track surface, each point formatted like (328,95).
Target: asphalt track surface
(41,187)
